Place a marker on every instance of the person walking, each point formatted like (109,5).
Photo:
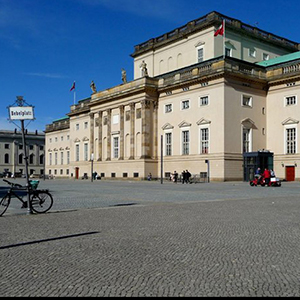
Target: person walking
(188,176)
(183,177)
(175,175)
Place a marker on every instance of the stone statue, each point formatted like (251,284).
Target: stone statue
(93,87)
(124,78)
(143,67)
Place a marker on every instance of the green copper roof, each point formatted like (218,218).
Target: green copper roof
(280,59)
(62,119)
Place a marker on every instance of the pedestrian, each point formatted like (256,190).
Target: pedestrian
(272,173)
(188,176)
(183,177)
(257,173)
(149,177)
(175,176)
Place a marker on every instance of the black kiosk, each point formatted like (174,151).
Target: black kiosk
(253,160)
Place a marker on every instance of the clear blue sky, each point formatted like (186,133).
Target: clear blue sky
(46,45)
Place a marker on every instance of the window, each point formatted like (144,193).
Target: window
(6,158)
(203,100)
(6,146)
(55,155)
(77,127)
(62,138)
(138,113)
(86,125)
(20,147)
(41,148)
(291,100)
(31,158)
(265,56)
(68,157)
(31,147)
(77,152)
(115,147)
(168,139)
(228,52)
(247,101)
(50,140)
(252,53)
(42,159)
(61,158)
(127,115)
(116,119)
(50,159)
(200,54)
(86,153)
(291,141)
(168,108)
(246,140)
(67,171)
(68,137)
(186,142)
(61,171)
(204,140)
(56,140)
(185,104)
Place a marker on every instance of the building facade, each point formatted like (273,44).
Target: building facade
(196,100)
(12,152)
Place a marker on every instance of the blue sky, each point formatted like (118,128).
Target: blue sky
(46,45)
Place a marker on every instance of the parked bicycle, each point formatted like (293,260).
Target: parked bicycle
(40,201)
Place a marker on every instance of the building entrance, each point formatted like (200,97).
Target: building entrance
(290,173)
(254,160)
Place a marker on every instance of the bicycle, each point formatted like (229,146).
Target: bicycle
(40,201)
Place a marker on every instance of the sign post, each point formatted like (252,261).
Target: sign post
(23,113)
(92,167)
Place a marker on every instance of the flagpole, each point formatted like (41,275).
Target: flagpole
(224,39)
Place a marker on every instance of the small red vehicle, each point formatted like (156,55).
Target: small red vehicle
(274,181)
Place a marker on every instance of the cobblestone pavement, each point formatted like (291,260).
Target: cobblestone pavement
(147,239)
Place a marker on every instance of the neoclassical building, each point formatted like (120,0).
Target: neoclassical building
(12,152)
(197,102)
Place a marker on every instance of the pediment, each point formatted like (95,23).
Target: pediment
(77,140)
(167,126)
(203,121)
(248,124)
(184,124)
(67,148)
(61,148)
(85,139)
(199,44)
(290,121)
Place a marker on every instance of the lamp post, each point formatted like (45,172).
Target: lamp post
(92,167)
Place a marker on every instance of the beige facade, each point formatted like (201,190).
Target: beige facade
(204,106)
(12,152)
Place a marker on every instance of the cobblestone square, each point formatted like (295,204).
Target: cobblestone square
(118,238)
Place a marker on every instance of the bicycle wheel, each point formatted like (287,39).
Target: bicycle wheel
(41,201)
(4,203)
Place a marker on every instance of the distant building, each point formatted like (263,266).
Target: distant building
(12,152)
(211,99)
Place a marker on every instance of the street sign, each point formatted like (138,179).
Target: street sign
(21,113)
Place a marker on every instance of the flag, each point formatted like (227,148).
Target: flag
(220,30)
(73,87)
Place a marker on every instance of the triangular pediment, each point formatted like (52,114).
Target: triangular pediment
(290,121)
(85,139)
(167,126)
(199,44)
(203,122)
(184,124)
(77,140)
(248,124)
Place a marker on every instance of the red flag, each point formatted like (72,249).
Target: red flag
(220,30)
(73,87)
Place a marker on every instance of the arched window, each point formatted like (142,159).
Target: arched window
(31,158)
(20,159)
(6,158)
(42,159)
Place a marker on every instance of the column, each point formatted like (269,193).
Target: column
(121,108)
(92,133)
(100,135)
(155,129)
(132,129)
(146,129)
(108,135)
